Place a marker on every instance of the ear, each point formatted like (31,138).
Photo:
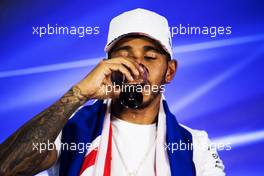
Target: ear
(171,71)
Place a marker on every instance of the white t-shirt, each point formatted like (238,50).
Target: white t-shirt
(136,143)
(207,162)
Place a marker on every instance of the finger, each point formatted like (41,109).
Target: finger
(129,63)
(122,69)
(139,67)
(107,81)
(110,91)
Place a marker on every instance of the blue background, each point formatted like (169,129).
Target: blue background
(219,86)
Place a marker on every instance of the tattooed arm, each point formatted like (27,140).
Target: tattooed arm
(17,154)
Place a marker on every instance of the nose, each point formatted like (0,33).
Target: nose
(138,56)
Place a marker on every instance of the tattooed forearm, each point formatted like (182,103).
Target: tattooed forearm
(17,156)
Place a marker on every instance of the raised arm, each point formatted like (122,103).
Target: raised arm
(17,153)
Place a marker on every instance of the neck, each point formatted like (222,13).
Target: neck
(145,115)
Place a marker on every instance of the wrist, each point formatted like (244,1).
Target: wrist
(78,92)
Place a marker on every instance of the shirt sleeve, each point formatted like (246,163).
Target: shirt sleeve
(207,160)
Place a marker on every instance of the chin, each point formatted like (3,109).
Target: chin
(148,99)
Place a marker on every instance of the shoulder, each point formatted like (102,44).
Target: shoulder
(205,155)
(196,134)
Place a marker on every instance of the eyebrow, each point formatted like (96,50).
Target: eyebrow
(145,48)
(122,48)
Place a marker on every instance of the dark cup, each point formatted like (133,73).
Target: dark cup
(129,96)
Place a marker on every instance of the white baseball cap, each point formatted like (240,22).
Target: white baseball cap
(140,22)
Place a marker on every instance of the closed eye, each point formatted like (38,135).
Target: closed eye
(149,58)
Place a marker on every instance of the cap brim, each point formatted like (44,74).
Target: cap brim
(109,46)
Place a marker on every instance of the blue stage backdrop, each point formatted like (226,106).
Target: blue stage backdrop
(219,86)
